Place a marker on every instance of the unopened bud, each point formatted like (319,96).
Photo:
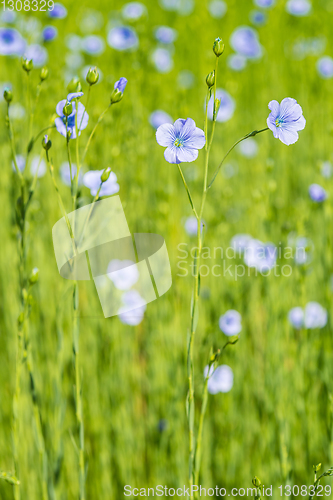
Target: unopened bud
(27,64)
(217,104)
(116,96)
(44,73)
(210,79)
(7,95)
(74,85)
(69,134)
(218,47)
(317,468)
(256,482)
(106,174)
(46,143)
(33,278)
(92,76)
(68,108)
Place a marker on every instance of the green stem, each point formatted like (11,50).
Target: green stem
(251,134)
(12,145)
(200,429)
(93,132)
(187,190)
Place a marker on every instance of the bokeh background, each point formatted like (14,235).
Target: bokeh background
(276,420)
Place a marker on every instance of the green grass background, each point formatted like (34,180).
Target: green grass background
(276,422)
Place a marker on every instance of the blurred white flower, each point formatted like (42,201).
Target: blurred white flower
(137,305)
(162,60)
(123,273)
(231,323)
(65,173)
(133,10)
(248,148)
(220,380)
(92,180)
(315,316)
(296,317)
(259,255)
(240,242)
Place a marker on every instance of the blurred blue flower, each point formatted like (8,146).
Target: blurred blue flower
(11,42)
(166,35)
(227,106)
(37,163)
(58,12)
(82,116)
(92,180)
(298,7)
(244,40)
(133,10)
(315,316)
(182,140)
(121,84)
(159,117)
(65,173)
(261,256)
(285,120)
(123,273)
(257,17)
(236,62)
(133,308)
(49,33)
(122,38)
(326,169)
(185,79)
(317,193)
(93,45)
(240,242)
(20,162)
(325,67)
(162,60)
(264,4)
(296,317)
(231,323)
(191,225)
(248,148)
(220,380)
(38,54)
(217,8)
(8,16)
(73,42)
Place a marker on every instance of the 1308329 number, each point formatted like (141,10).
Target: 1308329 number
(27,5)
(314,491)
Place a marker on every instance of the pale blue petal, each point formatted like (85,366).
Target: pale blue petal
(301,122)
(274,106)
(170,154)
(288,135)
(187,154)
(60,107)
(187,129)
(74,95)
(196,139)
(290,110)
(271,125)
(60,126)
(165,134)
(82,115)
(179,124)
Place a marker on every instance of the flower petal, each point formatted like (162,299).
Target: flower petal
(301,122)
(187,129)
(274,106)
(271,125)
(187,154)
(290,110)
(60,107)
(60,126)
(165,135)
(196,139)
(170,154)
(82,117)
(178,125)
(74,95)
(288,135)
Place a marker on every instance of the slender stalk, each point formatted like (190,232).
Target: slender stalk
(12,145)
(195,299)
(93,132)
(200,429)
(187,190)
(251,134)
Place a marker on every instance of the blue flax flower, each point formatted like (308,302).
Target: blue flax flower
(11,42)
(82,116)
(182,140)
(285,120)
(121,84)
(317,193)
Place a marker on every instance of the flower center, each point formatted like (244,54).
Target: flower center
(279,122)
(179,143)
